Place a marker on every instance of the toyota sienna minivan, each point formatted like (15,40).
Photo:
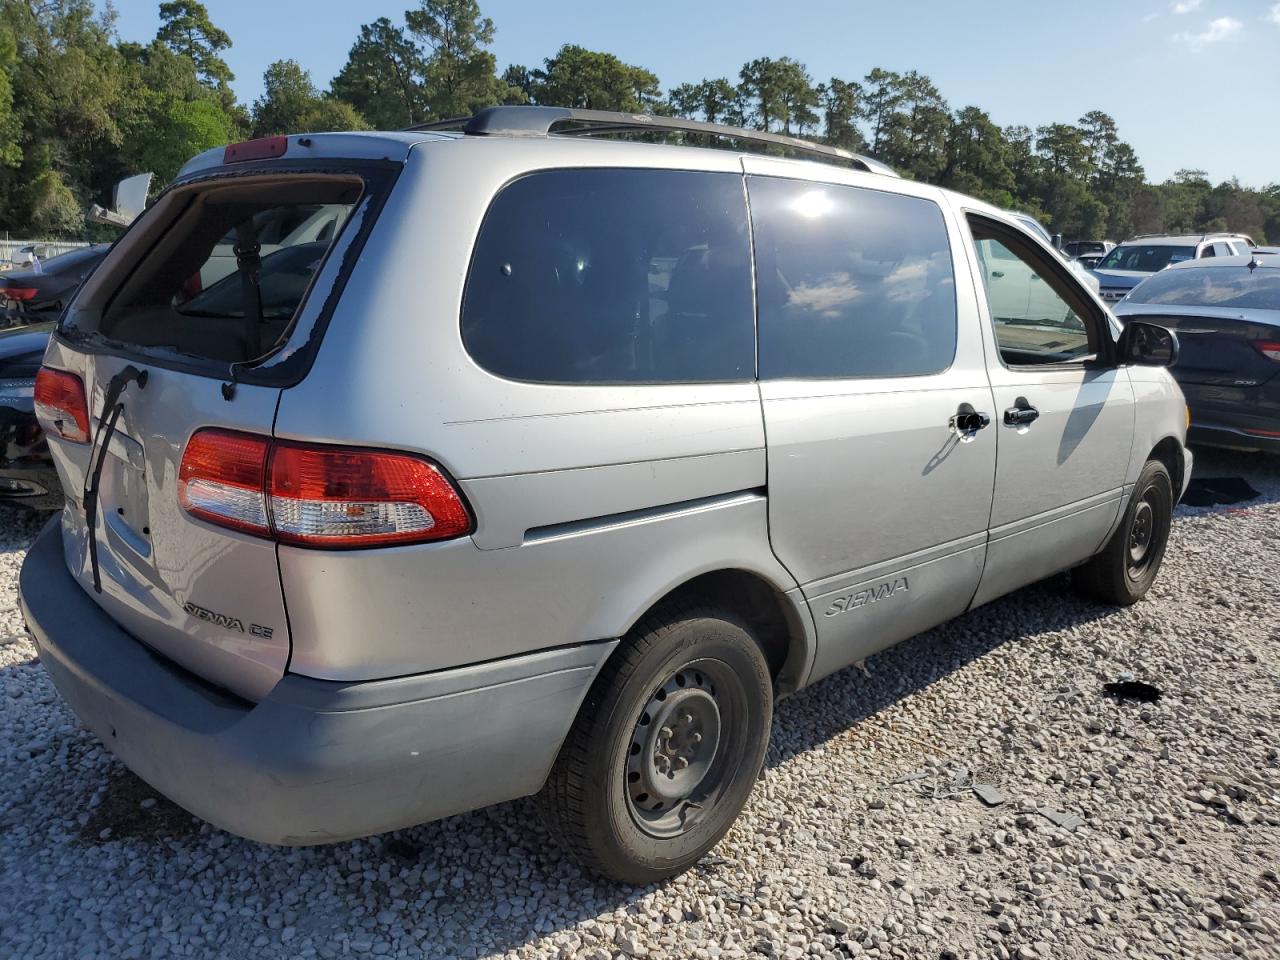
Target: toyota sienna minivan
(553,464)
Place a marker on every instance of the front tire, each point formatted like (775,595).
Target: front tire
(666,748)
(1127,566)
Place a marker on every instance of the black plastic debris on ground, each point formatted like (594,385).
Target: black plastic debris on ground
(1132,690)
(1210,491)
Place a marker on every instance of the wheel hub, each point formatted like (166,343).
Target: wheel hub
(674,744)
(1140,532)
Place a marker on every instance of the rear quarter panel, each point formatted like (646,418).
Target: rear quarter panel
(590,502)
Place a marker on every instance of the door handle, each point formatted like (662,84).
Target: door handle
(1021,414)
(997,273)
(966,422)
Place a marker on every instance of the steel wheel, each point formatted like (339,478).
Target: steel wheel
(1141,533)
(681,748)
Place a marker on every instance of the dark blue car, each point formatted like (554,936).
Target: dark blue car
(1226,312)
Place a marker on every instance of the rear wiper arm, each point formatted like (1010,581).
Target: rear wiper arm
(101,443)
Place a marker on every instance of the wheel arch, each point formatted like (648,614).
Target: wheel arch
(779,621)
(1169,452)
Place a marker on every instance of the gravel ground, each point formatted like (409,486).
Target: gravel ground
(1177,855)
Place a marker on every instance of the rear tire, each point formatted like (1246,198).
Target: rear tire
(1127,566)
(666,747)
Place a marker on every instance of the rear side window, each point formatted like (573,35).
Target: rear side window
(851,282)
(613,276)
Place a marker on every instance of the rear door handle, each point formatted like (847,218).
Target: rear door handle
(1021,414)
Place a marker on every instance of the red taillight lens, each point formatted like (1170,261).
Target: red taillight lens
(18,293)
(330,496)
(318,496)
(60,405)
(222,480)
(1269,349)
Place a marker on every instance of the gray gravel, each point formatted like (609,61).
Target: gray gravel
(1177,856)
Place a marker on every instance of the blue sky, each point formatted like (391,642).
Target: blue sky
(1191,83)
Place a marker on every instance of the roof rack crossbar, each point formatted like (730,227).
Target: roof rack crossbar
(525,121)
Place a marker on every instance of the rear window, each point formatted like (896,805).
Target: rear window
(851,282)
(1237,287)
(231,268)
(613,276)
(1145,258)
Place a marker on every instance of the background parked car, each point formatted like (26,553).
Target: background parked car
(31,295)
(1078,248)
(1088,261)
(27,475)
(1134,260)
(1226,312)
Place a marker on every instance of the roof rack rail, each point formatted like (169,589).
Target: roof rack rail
(531,121)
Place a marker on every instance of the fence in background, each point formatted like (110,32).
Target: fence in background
(45,249)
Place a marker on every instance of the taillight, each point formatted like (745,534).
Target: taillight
(222,479)
(18,293)
(60,405)
(320,496)
(1269,349)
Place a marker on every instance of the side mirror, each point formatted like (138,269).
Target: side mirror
(1147,345)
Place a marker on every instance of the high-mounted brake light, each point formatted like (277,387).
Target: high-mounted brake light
(1269,349)
(264,148)
(18,293)
(60,405)
(320,496)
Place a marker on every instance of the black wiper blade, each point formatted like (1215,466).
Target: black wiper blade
(89,492)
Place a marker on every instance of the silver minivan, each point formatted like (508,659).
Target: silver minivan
(554,466)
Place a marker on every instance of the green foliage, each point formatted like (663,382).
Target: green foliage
(80,108)
(383,77)
(460,73)
(185,28)
(290,103)
(589,79)
(55,211)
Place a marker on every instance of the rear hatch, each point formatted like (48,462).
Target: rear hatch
(195,355)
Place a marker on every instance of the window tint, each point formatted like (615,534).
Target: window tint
(1145,258)
(1033,322)
(613,276)
(851,282)
(1212,286)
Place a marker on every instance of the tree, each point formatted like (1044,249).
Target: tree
(842,110)
(459,76)
(383,77)
(978,159)
(778,93)
(715,101)
(290,103)
(882,92)
(914,133)
(55,211)
(590,79)
(185,28)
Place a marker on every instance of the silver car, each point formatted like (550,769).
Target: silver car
(554,466)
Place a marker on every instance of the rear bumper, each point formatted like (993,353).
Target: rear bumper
(1239,418)
(315,761)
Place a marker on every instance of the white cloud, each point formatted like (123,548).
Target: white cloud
(1186,6)
(1273,14)
(1214,32)
(1150,16)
